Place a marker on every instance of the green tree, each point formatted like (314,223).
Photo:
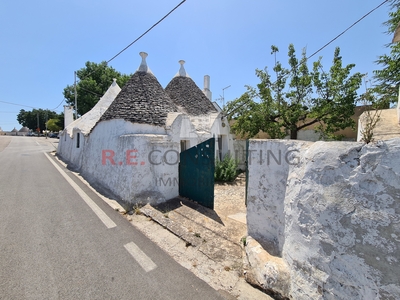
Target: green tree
(388,78)
(94,80)
(30,118)
(52,125)
(297,98)
(60,121)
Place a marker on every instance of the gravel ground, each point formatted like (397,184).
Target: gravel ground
(230,197)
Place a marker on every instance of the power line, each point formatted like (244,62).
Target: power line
(335,38)
(23,105)
(18,104)
(348,28)
(89,91)
(332,40)
(162,19)
(142,35)
(109,59)
(58,105)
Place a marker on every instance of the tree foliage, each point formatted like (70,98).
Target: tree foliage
(30,118)
(54,125)
(94,80)
(297,98)
(388,78)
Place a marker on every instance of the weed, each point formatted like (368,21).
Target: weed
(371,116)
(136,209)
(226,170)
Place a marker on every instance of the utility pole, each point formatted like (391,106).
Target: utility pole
(38,128)
(76,97)
(396,39)
(46,123)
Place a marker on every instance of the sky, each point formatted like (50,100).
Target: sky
(43,42)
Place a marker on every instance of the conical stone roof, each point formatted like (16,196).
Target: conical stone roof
(86,122)
(23,129)
(142,100)
(187,96)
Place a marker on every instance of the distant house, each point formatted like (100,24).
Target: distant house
(13,132)
(23,131)
(132,152)
(386,128)
(309,134)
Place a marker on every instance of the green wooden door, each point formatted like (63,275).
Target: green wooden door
(196,173)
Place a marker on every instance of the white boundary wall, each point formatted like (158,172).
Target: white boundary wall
(331,210)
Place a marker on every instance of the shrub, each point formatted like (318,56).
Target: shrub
(226,170)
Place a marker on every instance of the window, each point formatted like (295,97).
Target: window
(220,147)
(78,137)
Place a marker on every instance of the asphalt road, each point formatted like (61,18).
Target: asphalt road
(54,245)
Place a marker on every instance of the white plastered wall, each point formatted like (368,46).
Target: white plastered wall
(330,210)
(134,162)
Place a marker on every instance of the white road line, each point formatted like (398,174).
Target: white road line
(143,260)
(97,210)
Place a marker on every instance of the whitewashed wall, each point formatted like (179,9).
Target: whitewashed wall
(269,163)
(220,126)
(151,177)
(332,214)
(136,163)
(68,150)
(197,129)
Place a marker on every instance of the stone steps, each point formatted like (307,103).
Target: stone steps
(199,227)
